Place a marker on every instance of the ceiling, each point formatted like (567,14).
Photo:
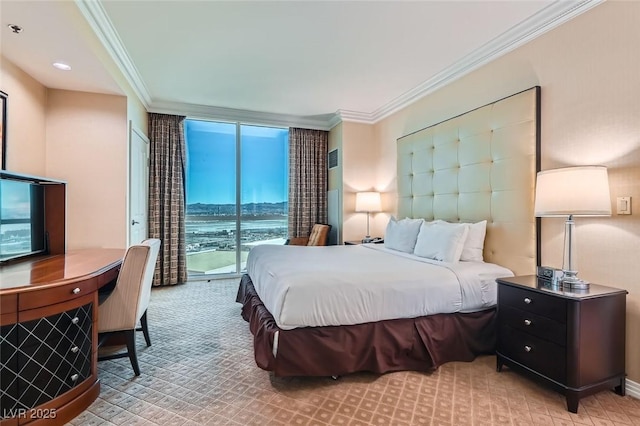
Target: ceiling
(313,60)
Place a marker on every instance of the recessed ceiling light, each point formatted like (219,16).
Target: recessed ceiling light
(62,66)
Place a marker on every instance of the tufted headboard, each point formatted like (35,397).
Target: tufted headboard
(479,165)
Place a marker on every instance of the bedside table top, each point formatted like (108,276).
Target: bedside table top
(534,283)
(376,240)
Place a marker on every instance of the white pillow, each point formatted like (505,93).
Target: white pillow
(441,241)
(401,235)
(474,244)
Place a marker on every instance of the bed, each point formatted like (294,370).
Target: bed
(479,166)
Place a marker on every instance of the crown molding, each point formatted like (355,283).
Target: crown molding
(335,120)
(205,112)
(99,21)
(545,20)
(355,116)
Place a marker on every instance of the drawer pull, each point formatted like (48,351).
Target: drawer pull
(76,290)
(527,322)
(527,300)
(527,348)
(75,320)
(74,378)
(75,349)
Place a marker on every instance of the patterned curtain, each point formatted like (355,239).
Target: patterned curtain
(167,197)
(307,180)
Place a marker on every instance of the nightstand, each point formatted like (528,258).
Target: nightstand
(572,340)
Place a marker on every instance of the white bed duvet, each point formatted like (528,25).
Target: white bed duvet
(345,285)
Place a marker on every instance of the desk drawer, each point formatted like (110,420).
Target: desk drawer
(8,309)
(8,303)
(542,356)
(544,305)
(534,324)
(53,295)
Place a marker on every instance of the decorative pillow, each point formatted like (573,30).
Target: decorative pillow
(474,244)
(441,241)
(401,235)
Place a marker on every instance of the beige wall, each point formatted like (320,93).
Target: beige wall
(588,70)
(26,117)
(361,156)
(81,138)
(136,113)
(87,147)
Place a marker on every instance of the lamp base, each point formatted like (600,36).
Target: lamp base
(570,278)
(573,282)
(367,239)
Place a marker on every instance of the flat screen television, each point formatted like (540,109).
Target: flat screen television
(22,218)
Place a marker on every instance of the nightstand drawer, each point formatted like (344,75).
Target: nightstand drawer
(534,324)
(542,356)
(532,301)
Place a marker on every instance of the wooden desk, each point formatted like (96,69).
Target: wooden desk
(48,334)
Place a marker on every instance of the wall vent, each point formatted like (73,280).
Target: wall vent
(333,159)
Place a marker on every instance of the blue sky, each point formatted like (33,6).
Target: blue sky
(15,199)
(211,163)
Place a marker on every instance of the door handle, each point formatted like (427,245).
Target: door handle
(134,222)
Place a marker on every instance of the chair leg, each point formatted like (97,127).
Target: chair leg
(131,350)
(145,328)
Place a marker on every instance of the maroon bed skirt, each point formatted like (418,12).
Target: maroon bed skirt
(419,344)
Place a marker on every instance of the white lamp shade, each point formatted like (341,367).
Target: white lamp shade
(579,191)
(368,202)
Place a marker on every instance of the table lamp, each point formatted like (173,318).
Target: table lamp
(368,202)
(572,191)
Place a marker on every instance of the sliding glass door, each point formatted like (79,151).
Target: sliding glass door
(236,190)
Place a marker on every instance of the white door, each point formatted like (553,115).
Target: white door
(138,185)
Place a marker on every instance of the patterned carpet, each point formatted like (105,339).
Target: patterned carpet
(200,371)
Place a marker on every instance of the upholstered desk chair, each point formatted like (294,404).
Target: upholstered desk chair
(318,237)
(127,304)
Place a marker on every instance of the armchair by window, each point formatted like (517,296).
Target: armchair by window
(318,237)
